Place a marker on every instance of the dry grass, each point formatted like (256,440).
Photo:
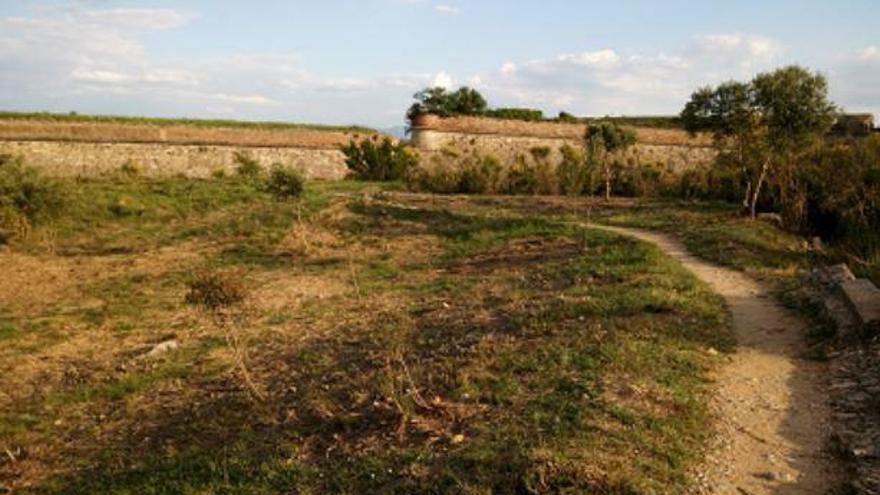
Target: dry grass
(171,133)
(387,342)
(555,130)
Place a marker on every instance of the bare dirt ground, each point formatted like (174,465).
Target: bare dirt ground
(772,401)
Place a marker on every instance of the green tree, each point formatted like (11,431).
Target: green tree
(729,112)
(439,101)
(794,107)
(603,141)
(768,125)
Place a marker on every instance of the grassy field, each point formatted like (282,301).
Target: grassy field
(155,121)
(387,343)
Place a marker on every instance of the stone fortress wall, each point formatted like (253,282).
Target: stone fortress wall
(507,139)
(89,149)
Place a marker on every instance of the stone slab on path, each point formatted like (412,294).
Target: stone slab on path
(864,298)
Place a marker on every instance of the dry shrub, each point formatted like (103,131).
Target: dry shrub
(215,290)
(131,169)
(247,166)
(284,182)
(221,294)
(27,197)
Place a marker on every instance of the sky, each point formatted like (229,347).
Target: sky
(360,61)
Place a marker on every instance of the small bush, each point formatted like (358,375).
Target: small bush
(438,179)
(247,166)
(545,172)
(215,290)
(572,171)
(480,175)
(371,159)
(26,197)
(131,168)
(126,206)
(567,118)
(285,182)
(522,178)
(527,114)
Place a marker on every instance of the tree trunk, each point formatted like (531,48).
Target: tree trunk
(753,209)
(745,174)
(607,181)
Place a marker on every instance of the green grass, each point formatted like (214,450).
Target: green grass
(521,354)
(125,216)
(719,233)
(118,119)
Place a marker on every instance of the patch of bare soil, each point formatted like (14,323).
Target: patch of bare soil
(772,401)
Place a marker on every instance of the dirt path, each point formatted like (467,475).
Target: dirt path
(772,402)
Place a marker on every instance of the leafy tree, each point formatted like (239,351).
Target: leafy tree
(438,101)
(603,141)
(768,124)
(794,107)
(729,112)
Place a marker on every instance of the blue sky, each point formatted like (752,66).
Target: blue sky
(360,61)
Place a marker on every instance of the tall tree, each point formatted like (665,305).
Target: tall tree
(768,124)
(730,114)
(794,107)
(439,101)
(603,141)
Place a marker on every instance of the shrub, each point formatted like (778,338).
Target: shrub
(572,171)
(26,197)
(247,166)
(438,179)
(694,183)
(480,175)
(131,168)
(452,173)
(215,290)
(126,206)
(567,117)
(527,114)
(371,159)
(843,201)
(285,182)
(545,172)
(522,178)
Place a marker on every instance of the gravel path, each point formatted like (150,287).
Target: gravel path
(772,402)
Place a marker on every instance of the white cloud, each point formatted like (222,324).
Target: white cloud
(442,80)
(447,9)
(61,58)
(742,51)
(251,99)
(855,81)
(606,81)
(138,19)
(870,53)
(601,59)
(101,76)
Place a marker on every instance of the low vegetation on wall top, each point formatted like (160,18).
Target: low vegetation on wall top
(467,101)
(156,121)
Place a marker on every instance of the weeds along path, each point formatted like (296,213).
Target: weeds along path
(771,399)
